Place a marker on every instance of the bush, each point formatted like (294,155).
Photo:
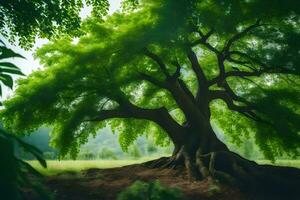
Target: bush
(135,152)
(151,191)
(107,153)
(151,148)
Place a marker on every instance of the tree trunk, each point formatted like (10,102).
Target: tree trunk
(206,157)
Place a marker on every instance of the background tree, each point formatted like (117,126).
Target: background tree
(171,69)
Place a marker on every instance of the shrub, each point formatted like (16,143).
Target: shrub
(151,191)
(107,153)
(151,148)
(135,152)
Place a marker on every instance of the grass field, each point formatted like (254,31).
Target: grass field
(56,167)
(288,163)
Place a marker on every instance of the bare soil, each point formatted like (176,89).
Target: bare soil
(106,184)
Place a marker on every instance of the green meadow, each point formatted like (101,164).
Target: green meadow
(56,167)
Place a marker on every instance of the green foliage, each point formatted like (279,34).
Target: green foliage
(129,5)
(26,20)
(107,153)
(134,152)
(105,70)
(13,170)
(104,146)
(152,191)
(275,99)
(151,147)
(7,69)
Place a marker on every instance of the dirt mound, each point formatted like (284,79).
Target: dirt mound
(106,184)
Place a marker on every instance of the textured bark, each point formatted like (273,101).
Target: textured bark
(213,160)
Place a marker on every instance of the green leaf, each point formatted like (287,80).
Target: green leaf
(29,168)
(33,150)
(8,53)
(9,65)
(11,71)
(7,80)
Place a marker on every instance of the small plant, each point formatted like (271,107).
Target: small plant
(151,191)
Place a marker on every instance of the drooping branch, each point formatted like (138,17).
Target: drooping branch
(160,116)
(221,94)
(127,110)
(247,64)
(245,109)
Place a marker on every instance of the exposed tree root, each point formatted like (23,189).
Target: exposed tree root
(230,168)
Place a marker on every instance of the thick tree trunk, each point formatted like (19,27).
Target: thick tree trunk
(211,159)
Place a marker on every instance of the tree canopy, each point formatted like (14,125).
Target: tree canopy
(130,69)
(26,20)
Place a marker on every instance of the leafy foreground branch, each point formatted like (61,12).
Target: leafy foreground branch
(174,70)
(14,172)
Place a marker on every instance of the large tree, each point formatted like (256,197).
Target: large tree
(171,69)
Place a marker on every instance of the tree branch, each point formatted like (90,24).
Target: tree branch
(158,60)
(242,74)
(221,94)
(197,68)
(160,116)
(244,110)
(201,78)
(186,89)
(176,74)
(242,54)
(153,80)
(179,91)
(239,35)
(203,41)
(225,54)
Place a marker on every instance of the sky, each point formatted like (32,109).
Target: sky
(30,64)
